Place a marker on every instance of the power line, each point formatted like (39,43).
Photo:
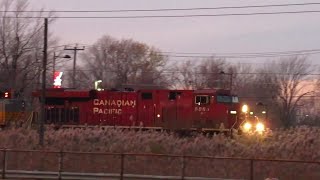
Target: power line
(239,53)
(230,55)
(235,55)
(213,55)
(270,97)
(219,55)
(166,16)
(214,73)
(170,9)
(233,63)
(51,47)
(243,56)
(241,63)
(249,53)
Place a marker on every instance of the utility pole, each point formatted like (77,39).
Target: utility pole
(75,50)
(231,76)
(43,89)
(230,81)
(53,65)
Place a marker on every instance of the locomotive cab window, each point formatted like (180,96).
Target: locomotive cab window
(235,99)
(202,99)
(146,95)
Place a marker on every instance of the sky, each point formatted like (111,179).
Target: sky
(228,34)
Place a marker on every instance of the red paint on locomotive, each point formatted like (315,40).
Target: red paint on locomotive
(172,109)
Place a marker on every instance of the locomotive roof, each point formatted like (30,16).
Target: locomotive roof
(72,93)
(64,93)
(212,91)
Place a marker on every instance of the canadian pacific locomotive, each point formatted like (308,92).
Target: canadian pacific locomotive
(209,109)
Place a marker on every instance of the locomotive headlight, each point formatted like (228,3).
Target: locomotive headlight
(233,112)
(247,126)
(245,108)
(158,115)
(260,127)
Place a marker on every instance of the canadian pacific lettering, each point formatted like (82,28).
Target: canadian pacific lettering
(106,111)
(119,103)
(107,106)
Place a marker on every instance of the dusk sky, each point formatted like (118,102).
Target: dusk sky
(229,34)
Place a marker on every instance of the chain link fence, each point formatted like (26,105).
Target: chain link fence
(87,165)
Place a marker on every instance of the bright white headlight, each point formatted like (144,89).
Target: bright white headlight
(260,127)
(247,126)
(233,112)
(245,108)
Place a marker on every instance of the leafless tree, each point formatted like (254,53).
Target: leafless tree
(124,63)
(281,85)
(210,73)
(240,78)
(206,74)
(185,77)
(292,86)
(20,47)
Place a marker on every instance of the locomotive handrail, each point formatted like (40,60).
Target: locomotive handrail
(143,127)
(200,130)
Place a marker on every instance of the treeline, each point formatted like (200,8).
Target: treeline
(286,87)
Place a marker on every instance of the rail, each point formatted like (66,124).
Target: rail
(61,174)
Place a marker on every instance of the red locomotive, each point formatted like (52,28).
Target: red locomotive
(209,109)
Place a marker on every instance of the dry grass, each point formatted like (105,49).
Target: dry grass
(300,143)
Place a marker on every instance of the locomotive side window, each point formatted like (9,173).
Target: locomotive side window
(202,99)
(53,115)
(72,115)
(227,99)
(76,115)
(62,115)
(173,95)
(235,99)
(224,99)
(146,95)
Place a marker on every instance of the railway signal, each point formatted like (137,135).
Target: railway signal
(5,95)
